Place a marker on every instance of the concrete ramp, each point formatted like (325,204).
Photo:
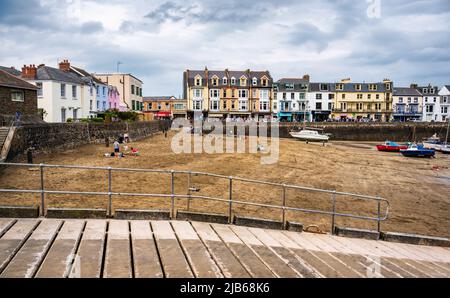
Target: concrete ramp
(34,248)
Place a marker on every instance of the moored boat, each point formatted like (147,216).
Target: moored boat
(418,151)
(310,136)
(391,147)
(433,143)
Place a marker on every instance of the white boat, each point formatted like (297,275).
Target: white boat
(433,143)
(310,136)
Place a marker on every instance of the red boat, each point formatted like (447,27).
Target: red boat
(391,147)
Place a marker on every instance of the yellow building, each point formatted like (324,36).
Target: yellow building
(163,107)
(228,94)
(363,101)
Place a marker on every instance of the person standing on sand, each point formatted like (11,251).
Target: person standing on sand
(116,146)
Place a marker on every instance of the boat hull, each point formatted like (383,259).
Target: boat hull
(310,138)
(418,153)
(384,148)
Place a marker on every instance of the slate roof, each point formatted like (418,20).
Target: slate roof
(400,91)
(9,80)
(86,74)
(428,93)
(47,73)
(300,85)
(11,71)
(316,87)
(237,74)
(351,87)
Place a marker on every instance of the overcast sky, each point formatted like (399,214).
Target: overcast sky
(405,40)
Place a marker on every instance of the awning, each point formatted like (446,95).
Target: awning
(163,114)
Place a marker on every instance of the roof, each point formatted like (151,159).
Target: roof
(237,74)
(11,70)
(47,73)
(316,87)
(351,87)
(158,98)
(292,81)
(400,91)
(300,85)
(117,74)
(9,80)
(86,74)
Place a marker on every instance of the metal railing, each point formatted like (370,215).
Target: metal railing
(230,201)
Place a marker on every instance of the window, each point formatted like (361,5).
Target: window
(343,96)
(409,99)
(319,96)
(74,92)
(39,92)
(284,96)
(400,100)
(98,105)
(214,93)
(63,115)
(388,86)
(444,110)
(233,81)
(323,87)
(432,90)
(429,108)
(416,100)
(359,96)
(197,105)
(264,94)
(224,81)
(378,96)
(243,105)
(215,81)
(425,90)
(133,105)
(359,106)
(264,82)
(302,96)
(292,96)
(132,90)
(339,86)
(178,106)
(91,91)
(373,87)
(104,91)
(254,93)
(104,105)
(369,96)
(343,106)
(197,93)
(224,104)
(198,81)
(263,105)
(255,81)
(243,93)
(318,106)
(159,106)
(243,82)
(330,96)
(214,105)
(358,87)
(289,86)
(63,91)
(75,114)
(17,95)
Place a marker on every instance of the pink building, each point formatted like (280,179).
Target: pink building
(114,99)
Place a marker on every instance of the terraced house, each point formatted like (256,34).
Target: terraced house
(163,107)
(407,104)
(431,103)
(228,94)
(363,101)
(290,99)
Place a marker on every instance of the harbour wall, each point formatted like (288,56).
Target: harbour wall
(54,137)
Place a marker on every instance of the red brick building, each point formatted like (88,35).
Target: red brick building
(17,97)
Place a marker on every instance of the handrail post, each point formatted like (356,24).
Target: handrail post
(189,192)
(41,170)
(379,215)
(230,201)
(333,217)
(109,191)
(172,187)
(284,206)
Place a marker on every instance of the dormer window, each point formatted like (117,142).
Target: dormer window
(215,81)
(358,87)
(233,81)
(224,81)
(373,87)
(289,86)
(432,90)
(388,86)
(264,82)
(425,90)
(255,82)
(198,81)
(339,86)
(243,81)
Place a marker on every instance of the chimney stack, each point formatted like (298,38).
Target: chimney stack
(64,65)
(29,72)
(306,77)
(413,86)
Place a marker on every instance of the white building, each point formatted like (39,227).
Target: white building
(290,101)
(61,93)
(444,94)
(320,100)
(407,104)
(431,104)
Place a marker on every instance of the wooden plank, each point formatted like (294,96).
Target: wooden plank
(14,238)
(145,254)
(88,262)
(352,251)
(198,256)
(224,258)
(339,267)
(173,260)
(118,252)
(5,224)
(243,253)
(284,253)
(58,262)
(27,260)
(277,265)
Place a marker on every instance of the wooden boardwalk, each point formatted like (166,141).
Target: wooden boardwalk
(154,249)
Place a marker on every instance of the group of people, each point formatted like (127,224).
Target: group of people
(125,151)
